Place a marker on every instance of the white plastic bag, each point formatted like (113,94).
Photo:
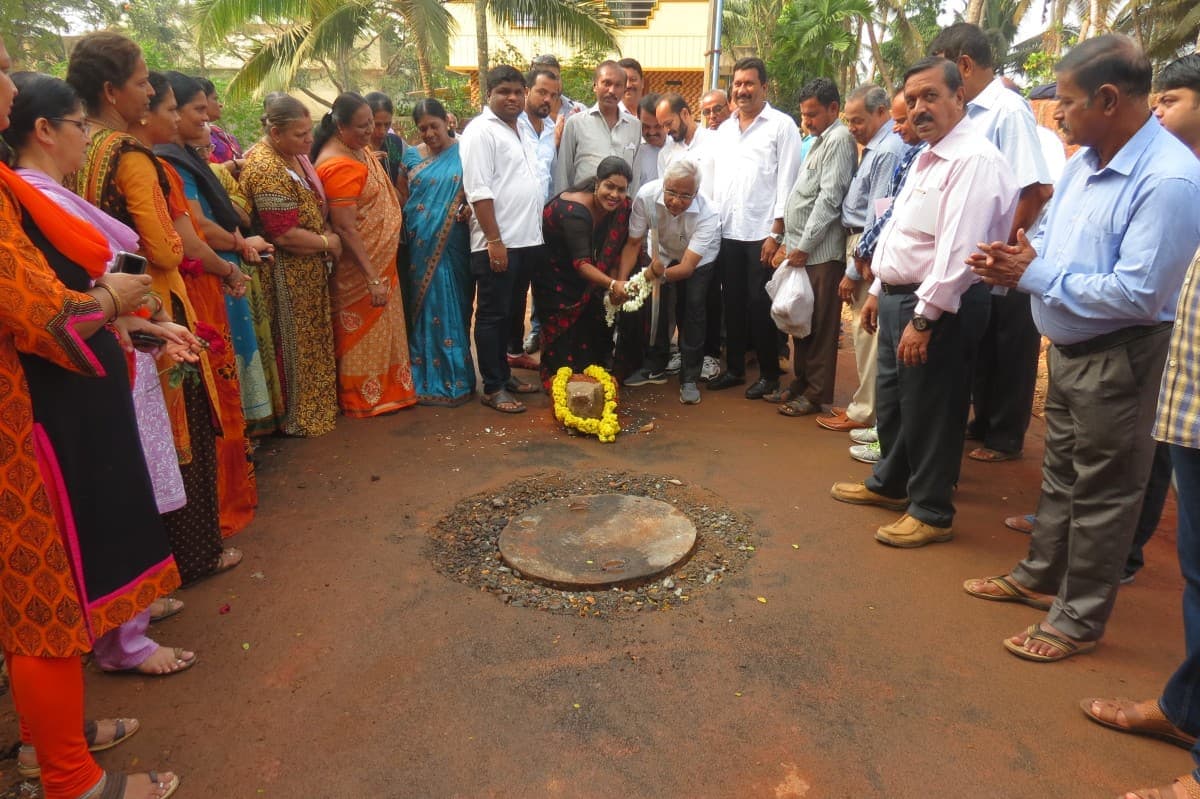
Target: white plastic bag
(791,300)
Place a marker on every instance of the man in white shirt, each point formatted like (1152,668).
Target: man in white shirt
(932,308)
(534,124)
(759,158)
(500,179)
(685,235)
(1006,371)
(604,129)
(654,135)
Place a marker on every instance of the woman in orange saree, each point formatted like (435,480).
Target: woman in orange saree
(374,376)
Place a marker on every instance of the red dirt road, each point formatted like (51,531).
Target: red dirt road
(867,673)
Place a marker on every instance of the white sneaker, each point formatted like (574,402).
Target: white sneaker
(675,364)
(710,369)
(866,453)
(864,435)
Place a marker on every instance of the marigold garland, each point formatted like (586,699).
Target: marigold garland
(607,426)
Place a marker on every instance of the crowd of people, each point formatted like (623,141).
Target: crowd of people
(171,297)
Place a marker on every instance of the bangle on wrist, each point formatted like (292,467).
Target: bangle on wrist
(115,300)
(496,240)
(325,241)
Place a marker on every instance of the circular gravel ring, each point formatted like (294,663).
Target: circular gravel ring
(596,540)
(464,544)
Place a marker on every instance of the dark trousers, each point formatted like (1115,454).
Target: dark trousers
(921,410)
(712,327)
(493,312)
(747,308)
(516,336)
(1153,499)
(690,300)
(1180,699)
(814,357)
(1005,374)
(1100,408)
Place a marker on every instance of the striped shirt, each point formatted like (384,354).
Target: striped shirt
(812,216)
(1179,398)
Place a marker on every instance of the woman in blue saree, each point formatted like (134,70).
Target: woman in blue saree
(437,287)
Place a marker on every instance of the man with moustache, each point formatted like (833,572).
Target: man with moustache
(714,108)
(604,129)
(687,140)
(866,447)
(654,135)
(815,241)
(534,125)
(635,85)
(1103,275)
(932,308)
(867,120)
(1173,716)
(500,179)
(759,157)
(1006,371)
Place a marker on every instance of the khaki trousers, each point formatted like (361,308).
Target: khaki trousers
(866,349)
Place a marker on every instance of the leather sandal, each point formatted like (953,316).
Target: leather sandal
(503,401)
(1141,718)
(112,786)
(1064,647)
(1012,592)
(171,606)
(124,730)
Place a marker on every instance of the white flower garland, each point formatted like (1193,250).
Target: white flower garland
(638,288)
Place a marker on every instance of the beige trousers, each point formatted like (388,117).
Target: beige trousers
(862,405)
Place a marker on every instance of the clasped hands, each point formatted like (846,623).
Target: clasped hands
(1002,264)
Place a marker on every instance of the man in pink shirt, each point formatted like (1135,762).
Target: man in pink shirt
(930,308)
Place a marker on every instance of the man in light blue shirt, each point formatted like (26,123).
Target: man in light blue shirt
(1006,368)
(868,119)
(1104,278)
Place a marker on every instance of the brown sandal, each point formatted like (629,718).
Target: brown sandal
(992,455)
(1141,718)
(503,401)
(1012,592)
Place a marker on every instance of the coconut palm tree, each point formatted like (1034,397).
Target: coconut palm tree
(815,38)
(578,23)
(332,33)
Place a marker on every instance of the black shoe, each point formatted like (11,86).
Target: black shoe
(761,388)
(725,380)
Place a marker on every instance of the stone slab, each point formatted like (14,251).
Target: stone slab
(597,539)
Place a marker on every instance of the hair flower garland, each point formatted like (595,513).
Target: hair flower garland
(607,426)
(638,288)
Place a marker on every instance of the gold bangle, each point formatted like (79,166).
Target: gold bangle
(495,241)
(325,239)
(117,309)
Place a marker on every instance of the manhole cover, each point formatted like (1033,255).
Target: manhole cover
(597,539)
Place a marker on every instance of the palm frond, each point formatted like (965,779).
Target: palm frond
(430,23)
(581,23)
(271,66)
(216,20)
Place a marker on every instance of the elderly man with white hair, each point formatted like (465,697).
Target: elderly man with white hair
(685,237)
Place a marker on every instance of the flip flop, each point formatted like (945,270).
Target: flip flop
(520,387)
(798,407)
(114,785)
(183,665)
(503,401)
(1152,724)
(90,729)
(1012,592)
(992,455)
(173,606)
(1065,646)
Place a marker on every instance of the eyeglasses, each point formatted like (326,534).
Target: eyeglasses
(716,109)
(83,126)
(677,195)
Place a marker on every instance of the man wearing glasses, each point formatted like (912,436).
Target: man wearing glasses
(685,234)
(714,108)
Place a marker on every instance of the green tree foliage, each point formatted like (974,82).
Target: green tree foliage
(813,38)
(33,30)
(910,30)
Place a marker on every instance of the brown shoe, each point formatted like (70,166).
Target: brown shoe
(840,423)
(908,533)
(1141,718)
(859,494)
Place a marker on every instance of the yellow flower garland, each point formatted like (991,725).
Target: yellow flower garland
(607,426)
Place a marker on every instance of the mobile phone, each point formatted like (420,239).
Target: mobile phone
(130,264)
(146,341)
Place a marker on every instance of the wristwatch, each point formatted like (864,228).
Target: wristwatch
(777,238)
(921,323)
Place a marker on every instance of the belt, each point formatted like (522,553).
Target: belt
(854,231)
(1108,341)
(905,288)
